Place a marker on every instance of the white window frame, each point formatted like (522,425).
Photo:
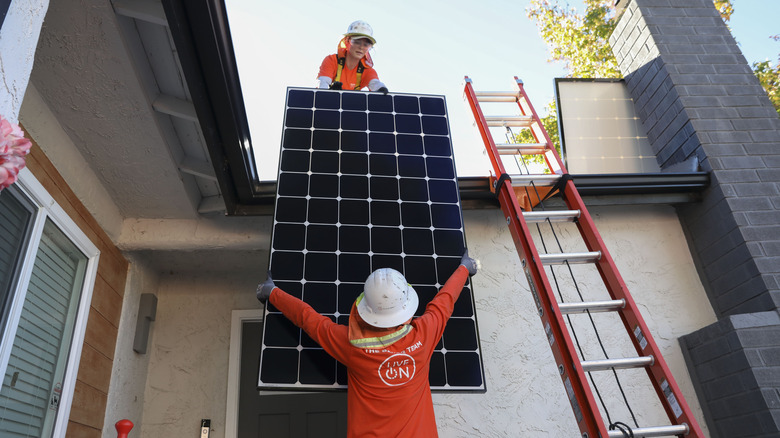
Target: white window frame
(48,208)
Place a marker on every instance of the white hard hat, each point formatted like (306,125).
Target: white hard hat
(360,29)
(387,299)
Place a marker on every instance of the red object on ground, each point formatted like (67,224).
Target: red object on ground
(123,427)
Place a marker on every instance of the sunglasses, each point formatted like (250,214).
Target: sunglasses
(362,42)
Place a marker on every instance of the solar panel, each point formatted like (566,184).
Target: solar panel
(366,181)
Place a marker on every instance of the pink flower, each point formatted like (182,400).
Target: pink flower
(13,148)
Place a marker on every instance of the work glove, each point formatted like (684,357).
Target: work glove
(470,264)
(265,288)
(335,86)
(383,90)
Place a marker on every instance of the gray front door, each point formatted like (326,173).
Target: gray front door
(283,415)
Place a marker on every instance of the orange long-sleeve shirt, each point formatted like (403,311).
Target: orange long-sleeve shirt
(388,391)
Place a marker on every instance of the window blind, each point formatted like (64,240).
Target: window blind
(15,219)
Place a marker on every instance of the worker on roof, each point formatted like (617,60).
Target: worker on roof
(386,352)
(351,68)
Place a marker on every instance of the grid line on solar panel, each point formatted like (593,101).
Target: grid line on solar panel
(365,181)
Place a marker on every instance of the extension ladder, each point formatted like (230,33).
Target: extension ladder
(571,368)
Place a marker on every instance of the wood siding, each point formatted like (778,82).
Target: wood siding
(91,392)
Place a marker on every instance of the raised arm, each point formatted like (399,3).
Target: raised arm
(331,336)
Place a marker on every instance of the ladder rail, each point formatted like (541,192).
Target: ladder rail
(571,372)
(540,134)
(580,395)
(659,371)
(676,408)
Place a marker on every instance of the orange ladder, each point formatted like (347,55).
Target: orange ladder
(571,368)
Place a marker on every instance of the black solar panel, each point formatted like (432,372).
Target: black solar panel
(366,181)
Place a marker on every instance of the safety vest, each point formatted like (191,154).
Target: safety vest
(382,341)
(360,68)
(362,339)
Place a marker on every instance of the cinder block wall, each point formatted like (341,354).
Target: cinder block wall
(699,100)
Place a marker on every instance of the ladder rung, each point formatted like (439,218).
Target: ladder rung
(517,121)
(627,362)
(523,180)
(521,149)
(496,96)
(552,215)
(592,306)
(673,430)
(572,257)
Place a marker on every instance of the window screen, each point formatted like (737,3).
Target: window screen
(32,384)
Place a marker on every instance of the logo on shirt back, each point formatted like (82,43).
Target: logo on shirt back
(397,369)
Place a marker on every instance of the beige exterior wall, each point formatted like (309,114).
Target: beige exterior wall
(129,371)
(525,397)
(188,351)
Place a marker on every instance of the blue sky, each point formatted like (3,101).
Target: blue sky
(424,47)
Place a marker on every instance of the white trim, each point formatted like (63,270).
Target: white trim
(48,208)
(237,319)
(30,185)
(77,342)
(20,291)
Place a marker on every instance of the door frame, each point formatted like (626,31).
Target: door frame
(237,319)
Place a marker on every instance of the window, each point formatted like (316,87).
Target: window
(47,271)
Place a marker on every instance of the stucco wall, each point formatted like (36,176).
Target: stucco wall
(525,397)
(42,125)
(188,350)
(130,369)
(18,40)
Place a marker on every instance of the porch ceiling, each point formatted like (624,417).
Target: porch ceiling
(109,73)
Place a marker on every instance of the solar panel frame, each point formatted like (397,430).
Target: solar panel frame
(365,181)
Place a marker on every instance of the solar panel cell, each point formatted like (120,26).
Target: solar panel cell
(300,99)
(383,188)
(324,186)
(408,124)
(385,213)
(353,212)
(321,238)
(296,138)
(327,120)
(354,239)
(414,214)
(323,211)
(354,121)
(409,144)
(407,104)
(320,266)
(299,118)
(354,141)
(381,142)
(354,101)
(434,125)
(320,296)
(380,103)
(323,140)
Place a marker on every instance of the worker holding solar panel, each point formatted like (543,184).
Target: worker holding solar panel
(387,353)
(352,68)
